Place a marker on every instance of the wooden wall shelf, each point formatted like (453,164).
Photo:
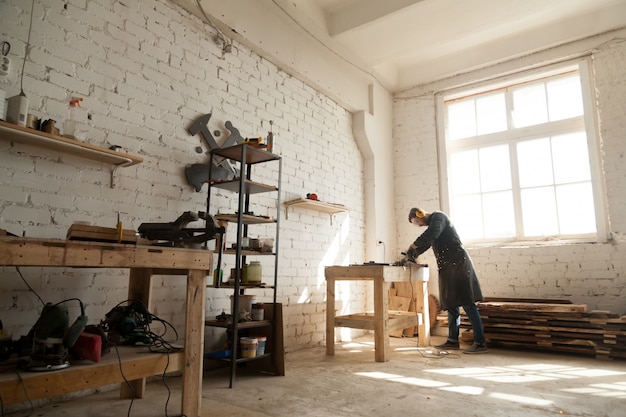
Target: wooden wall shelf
(15,133)
(307,203)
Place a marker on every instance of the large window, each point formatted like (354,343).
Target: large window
(521,159)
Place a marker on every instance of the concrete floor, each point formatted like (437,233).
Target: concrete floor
(414,382)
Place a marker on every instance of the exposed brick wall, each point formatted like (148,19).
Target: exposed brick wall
(594,274)
(146,70)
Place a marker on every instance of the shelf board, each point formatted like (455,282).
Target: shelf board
(137,363)
(246,218)
(307,203)
(240,325)
(250,187)
(15,133)
(253,155)
(246,252)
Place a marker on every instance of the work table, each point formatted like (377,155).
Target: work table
(382,321)
(143,262)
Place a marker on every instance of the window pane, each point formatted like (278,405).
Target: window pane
(576,211)
(495,168)
(461,119)
(516,172)
(539,212)
(529,105)
(491,114)
(565,98)
(468,226)
(464,172)
(499,215)
(571,158)
(534,159)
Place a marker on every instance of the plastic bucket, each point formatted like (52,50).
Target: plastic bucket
(260,350)
(249,346)
(245,303)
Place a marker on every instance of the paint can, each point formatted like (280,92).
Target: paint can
(260,350)
(249,346)
(258,312)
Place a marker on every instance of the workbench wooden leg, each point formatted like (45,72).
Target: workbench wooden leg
(139,289)
(330,316)
(381,320)
(421,300)
(194,343)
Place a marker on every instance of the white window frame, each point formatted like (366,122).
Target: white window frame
(583,65)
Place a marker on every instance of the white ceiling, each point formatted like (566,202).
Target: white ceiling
(403,43)
(409,42)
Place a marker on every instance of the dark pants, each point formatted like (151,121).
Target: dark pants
(454,323)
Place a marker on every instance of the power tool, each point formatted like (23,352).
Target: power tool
(51,337)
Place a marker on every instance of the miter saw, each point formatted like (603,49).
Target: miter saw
(51,337)
(177,234)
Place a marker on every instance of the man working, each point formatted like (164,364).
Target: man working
(458,283)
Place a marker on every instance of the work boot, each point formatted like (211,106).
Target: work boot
(449,345)
(476,348)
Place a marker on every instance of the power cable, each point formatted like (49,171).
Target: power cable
(227,43)
(28,285)
(30,27)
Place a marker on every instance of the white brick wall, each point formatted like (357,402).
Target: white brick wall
(594,274)
(146,70)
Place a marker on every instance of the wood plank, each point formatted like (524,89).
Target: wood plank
(558,327)
(100,234)
(136,363)
(16,251)
(543,307)
(400,304)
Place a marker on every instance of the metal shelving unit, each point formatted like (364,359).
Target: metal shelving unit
(246,157)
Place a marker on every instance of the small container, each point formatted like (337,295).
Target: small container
(266,245)
(253,273)
(258,312)
(217,276)
(249,346)
(245,303)
(260,349)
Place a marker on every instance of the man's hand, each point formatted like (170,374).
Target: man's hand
(411,253)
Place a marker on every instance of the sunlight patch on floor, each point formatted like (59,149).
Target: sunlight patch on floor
(520,399)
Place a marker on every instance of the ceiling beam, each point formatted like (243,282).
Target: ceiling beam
(363,12)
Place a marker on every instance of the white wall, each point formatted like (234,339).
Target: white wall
(593,274)
(146,70)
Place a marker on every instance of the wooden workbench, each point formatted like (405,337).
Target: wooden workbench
(382,321)
(143,262)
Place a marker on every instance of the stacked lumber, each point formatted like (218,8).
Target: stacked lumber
(79,231)
(551,325)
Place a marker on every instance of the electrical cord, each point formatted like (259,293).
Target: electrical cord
(440,354)
(30,27)
(28,285)
(158,344)
(128,384)
(227,43)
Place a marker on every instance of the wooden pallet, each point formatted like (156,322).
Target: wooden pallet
(559,327)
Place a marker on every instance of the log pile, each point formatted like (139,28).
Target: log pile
(551,325)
